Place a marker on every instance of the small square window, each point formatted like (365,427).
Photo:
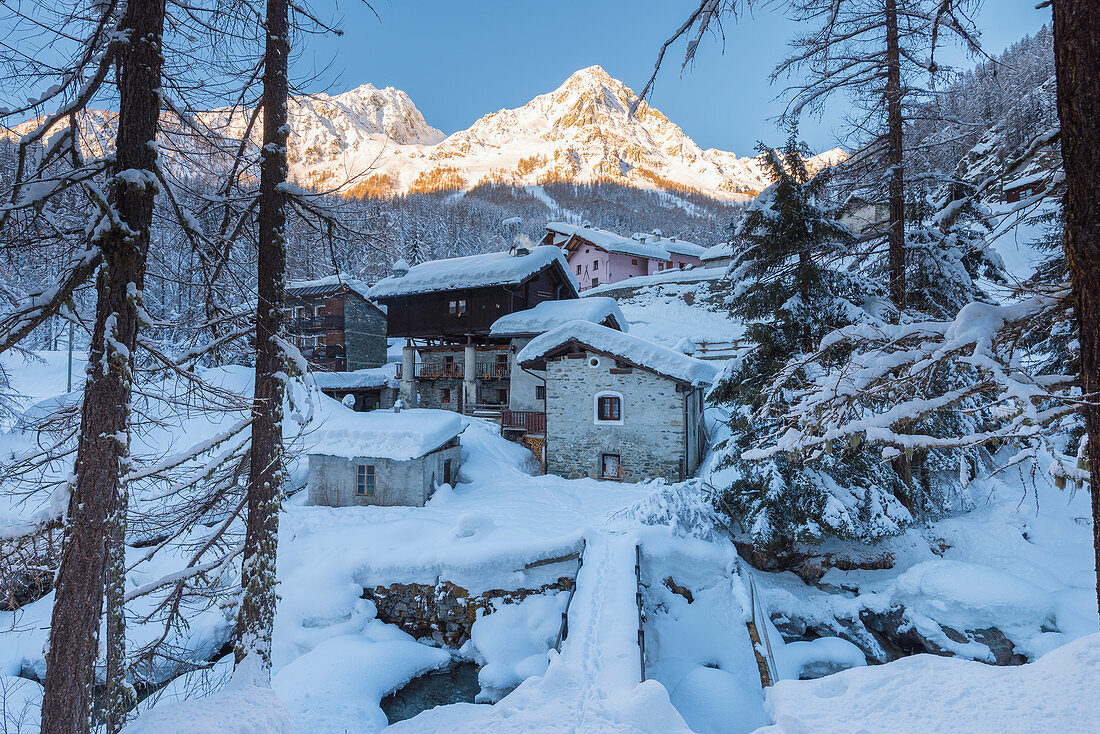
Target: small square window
(364,480)
(609,408)
(540,392)
(633,261)
(595,282)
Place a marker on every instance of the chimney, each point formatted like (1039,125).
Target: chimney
(671,239)
(400,268)
(656,235)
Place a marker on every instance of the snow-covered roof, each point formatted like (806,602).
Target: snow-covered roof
(328,284)
(723,249)
(1028,180)
(383,434)
(550,314)
(673,245)
(610,241)
(638,352)
(474,271)
(357,380)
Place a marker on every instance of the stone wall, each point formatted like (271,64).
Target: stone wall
(651,439)
(445,612)
(364,334)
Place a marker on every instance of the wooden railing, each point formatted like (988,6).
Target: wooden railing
(435,371)
(492,370)
(715,350)
(527,420)
(316,323)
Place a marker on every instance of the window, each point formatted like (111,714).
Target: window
(578,270)
(452,307)
(502,396)
(446,398)
(364,480)
(633,261)
(595,264)
(595,282)
(609,408)
(447,471)
(540,392)
(610,466)
(461,306)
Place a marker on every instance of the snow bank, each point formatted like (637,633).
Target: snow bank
(338,685)
(926,694)
(245,710)
(642,353)
(512,643)
(385,434)
(550,314)
(474,271)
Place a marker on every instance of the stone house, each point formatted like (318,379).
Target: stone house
(525,419)
(334,324)
(361,390)
(384,458)
(619,407)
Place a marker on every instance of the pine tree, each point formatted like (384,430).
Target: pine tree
(790,288)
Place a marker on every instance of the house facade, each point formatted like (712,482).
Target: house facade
(335,325)
(619,407)
(598,257)
(361,390)
(385,458)
(445,310)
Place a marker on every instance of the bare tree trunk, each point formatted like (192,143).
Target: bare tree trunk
(896,180)
(1077,58)
(266,476)
(97,503)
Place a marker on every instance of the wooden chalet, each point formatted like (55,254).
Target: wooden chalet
(445,310)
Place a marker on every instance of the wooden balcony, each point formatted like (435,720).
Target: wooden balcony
(315,324)
(492,370)
(533,422)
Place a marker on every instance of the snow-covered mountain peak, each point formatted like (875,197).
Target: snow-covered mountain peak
(366,110)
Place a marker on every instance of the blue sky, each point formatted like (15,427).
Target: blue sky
(460,59)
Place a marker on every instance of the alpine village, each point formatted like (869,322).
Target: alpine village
(317,418)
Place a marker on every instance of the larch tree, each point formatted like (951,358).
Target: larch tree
(266,475)
(92,564)
(1076,59)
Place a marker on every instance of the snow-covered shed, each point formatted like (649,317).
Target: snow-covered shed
(384,458)
(368,389)
(718,256)
(618,406)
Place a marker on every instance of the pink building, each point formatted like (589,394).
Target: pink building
(597,257)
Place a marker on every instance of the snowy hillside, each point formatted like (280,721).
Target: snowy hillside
(581,132)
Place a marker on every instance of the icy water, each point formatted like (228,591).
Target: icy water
(457,684)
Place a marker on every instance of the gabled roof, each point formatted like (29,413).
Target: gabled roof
(328,285)
(550,314)
(474,271)
(634,350)
(722,249)
(384,434)
(674,245)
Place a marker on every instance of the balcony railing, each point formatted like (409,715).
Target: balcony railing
(455,371)
(526,420)
(492,370)
(435,371)
(316,323)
